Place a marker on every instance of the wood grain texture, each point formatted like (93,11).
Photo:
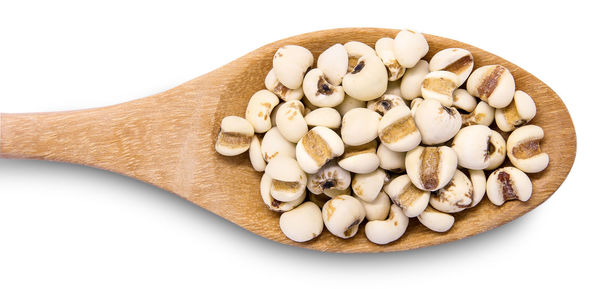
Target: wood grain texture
(168,140)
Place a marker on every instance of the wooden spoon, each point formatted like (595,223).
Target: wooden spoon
(168,140)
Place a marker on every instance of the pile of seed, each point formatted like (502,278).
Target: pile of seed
(382,134)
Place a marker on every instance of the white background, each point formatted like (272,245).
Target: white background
(67,226)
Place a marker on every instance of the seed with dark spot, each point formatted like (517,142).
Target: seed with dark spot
(323,86)
(348,231)
(386,104)
(491,148)
(328,184)
(519,123)
(358,67)
(275,203)
(280,90)
(449,110)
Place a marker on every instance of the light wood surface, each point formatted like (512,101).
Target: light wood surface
(168,140)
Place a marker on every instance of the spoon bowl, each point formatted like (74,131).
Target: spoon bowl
(168,140)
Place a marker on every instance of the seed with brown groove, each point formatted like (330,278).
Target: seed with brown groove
(493,84)
(507,184)
(519,112)
(318,146)
(405,195)
(524,150)
(455,196)
(342,216)
(235,136)
(431,168)
(397,130)
(456,60)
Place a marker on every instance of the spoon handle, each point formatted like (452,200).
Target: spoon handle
(153,139)
(102,137)
(121,138)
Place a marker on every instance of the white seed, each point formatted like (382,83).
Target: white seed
(342,215)
(519,112)
(397,130)
(258,111)
(456,60)
(377,209)
(367,80)
(325,116)
(472,147)
(368,186)
(317,147)
(389,159)
(524,150)
(319,91)
(274,145)
(431,168)
(360,159)
(436,220)
(359,126)
(329,177)
(385,50)
(290,63)
(410,85)
(440,85)
(288,180)
(384,103)
(290,120)
(303,223)
(463,100)
(334,63)
(356,50)
(478,181)
(274,114)
(274,205)
(286,94)
(436,123)
(455,196)
(385,232)
(482,114)
(256,157)
(410,47)
(285,169)
(493,84)
(405,195)
(497,151)
(507,184)
(348,104)
(234,136)
(414,104)
(393,88)
(271,80)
